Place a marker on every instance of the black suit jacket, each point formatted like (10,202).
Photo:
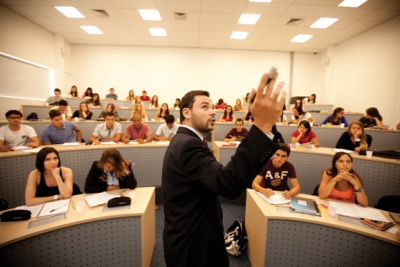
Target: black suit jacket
(94,184)
(191,181)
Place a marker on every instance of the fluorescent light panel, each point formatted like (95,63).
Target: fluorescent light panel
(70,12)
(158,32)
(91,30)
(323,23)
(239,35)
(301,38)
(261,1)
(250,19)
(150,14)
(352,3)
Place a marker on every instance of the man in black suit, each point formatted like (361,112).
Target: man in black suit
(192,179)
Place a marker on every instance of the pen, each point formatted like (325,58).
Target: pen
(58,208)
(73,205)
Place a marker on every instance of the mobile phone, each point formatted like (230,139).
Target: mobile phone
(271,74)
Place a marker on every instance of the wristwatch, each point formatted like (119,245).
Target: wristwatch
(55,197)
(359,190)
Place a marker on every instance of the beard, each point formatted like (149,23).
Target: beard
(202,127)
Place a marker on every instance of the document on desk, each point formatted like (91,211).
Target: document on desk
(343,150)
(277,198)
(16,148)
(55,208)
(133,143)
(99,199)
(33,209)
(108,143)
(32,150)
(356,211)
(72,144)
(163,142)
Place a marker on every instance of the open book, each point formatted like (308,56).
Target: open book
(54,208)
(99,199)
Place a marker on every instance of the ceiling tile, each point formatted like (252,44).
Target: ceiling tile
(223,6)
(381,15)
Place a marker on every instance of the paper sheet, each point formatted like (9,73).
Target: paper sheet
(356,211)
(33,150)
(71,144)
(16,148)
(33,209)
(133,143)
(99,199)
(108,143)
(54,208)
(277,198)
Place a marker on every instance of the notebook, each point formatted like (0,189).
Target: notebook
(54,208)
(99,199)
(395,217)
(277,198)
(305,205)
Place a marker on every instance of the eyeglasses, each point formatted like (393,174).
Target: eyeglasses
(14,118)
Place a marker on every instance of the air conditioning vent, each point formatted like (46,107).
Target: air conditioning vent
(100,13)
(180,16)
(295,21)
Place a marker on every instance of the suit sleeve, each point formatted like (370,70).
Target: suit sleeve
(129,181)
(229,181)
(93,182)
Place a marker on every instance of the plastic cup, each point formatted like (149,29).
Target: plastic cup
(80,207)
(369,154)
(146,119)
(342,125)
(332,211)
(76,119)
(46,104)
(132,195)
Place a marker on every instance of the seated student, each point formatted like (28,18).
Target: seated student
(299,115)
(144,97)
(83,112)
(64,109)
(247,116)
(372,118)
(238,106)
(341,182)
(74,91)
(238,133)
(167,130)
(110,108)
(17,134)
(137,131)
(283,119)
(59,131)
(228,115)
(94,101)
(312,99)
(304,134)
(88,93)
(111,172)
(139,109)
(275,173)
(176,104)
(336,118)
(354,138)
(220,104)
(53,100)
(164,111)
(154,102)
(398,126)
(107,131)
(298,103)
(131,96)
(111,95)
(50,181)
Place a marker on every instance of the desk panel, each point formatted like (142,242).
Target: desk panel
(320,107)
(381,176)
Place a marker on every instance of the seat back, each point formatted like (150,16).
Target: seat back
(389,203)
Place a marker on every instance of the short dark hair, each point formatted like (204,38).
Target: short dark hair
(144,91)
(57,90)
(239,120)
(63,102)
(300,110)
(110,114)
(13,111)
(188,100)
(169,118)
(284,147)
(54,113)
(41,157)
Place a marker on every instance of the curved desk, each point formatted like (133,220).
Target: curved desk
(381,176)
(15,166)
(94,238)
(294,239)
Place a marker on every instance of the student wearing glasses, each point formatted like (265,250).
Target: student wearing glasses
(107,131)
(17,134)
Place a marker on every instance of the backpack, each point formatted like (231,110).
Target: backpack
(32,117)
(236,238)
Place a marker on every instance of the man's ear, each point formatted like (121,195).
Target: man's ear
(186,113)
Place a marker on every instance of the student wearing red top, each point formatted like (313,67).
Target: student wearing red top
(220,104)
(138,131)
(228,115)
(304,135)
(341,182)
(144,97)
(275,173)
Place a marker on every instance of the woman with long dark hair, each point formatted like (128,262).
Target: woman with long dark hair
(228,115)
(372,118)
(336,118)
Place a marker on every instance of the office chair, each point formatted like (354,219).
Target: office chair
(75,189)
(389,203)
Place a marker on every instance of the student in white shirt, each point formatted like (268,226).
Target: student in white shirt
(167,130)
(107,131)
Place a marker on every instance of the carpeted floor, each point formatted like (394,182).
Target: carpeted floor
(231,213)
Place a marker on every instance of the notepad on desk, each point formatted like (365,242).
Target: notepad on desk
(108,143)
(276,198)
(71,144)
(54,208)
(99,199)
(16,148)
(356,211)
(305,205)
(33,209)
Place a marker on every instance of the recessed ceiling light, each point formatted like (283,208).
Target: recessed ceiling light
(91,30)
(323,23)
(261,1)
(150,14)
(301,38)
(352,3)
(158,32)
(239,35)
(70,11)
(249,19)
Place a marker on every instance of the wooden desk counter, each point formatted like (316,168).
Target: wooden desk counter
(93,238)
(294,239)
(16,165)
(380,175)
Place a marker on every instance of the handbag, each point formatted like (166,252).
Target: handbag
(236,238)
(15,215)
(119,201)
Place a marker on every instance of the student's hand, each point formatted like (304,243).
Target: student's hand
(268,192)
(96,142)
(266,109)
(358,134)
(140,141)
(112,187)
(6,148)
(233,138)
(286,194)
(32,144)
(357,149)
(56,173)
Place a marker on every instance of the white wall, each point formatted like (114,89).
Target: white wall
(171,72)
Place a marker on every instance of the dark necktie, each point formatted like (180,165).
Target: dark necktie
(205,141)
